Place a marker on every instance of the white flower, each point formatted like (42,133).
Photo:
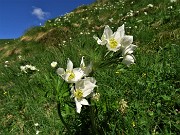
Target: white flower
(110,39)
(53,64)
(32,68)
(173,0)
(36,124)
(114,41)
(37,132)
(71,75)
(87,69)
(129,49)
(82,90)
(150,5)
(19,57)
(170,7)
(128,57)
(23,69)
(26,67)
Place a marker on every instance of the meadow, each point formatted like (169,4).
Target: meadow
(140,99)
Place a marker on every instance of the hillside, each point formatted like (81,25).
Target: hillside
(143,98)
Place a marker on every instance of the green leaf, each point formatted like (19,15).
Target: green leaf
(166,98)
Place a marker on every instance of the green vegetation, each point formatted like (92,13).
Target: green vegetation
(151,87)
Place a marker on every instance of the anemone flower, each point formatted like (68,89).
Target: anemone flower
(114,41)
(71,75)
(82,90)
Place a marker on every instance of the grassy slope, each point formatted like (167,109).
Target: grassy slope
(151,87)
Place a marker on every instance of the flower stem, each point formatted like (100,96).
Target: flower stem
(59,109)
(62,119)
(93,121)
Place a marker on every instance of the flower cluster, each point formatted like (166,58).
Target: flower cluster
(118,41)
(27,68)
(83,85)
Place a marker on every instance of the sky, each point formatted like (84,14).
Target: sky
(16,16)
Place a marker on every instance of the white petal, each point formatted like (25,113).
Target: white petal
(82,62)
(127,40)
(84,102)
(90,79)
(78,74)
(100,41)
(108,32)
(79,84)
(88,87)
(61,72)
(117,36)
(128,60)
(129,49)
(121,31)
(87,92)
(78,105)
(66,77)
(88,69)
(69,65)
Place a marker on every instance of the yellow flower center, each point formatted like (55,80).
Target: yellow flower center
(71,76)
(113,43)
(78,94)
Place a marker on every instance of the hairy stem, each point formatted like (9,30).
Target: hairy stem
(62,119)
(93,121)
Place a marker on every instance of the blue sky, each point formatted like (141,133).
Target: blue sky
(18,15)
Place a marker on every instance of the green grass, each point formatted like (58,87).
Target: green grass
(151,87)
